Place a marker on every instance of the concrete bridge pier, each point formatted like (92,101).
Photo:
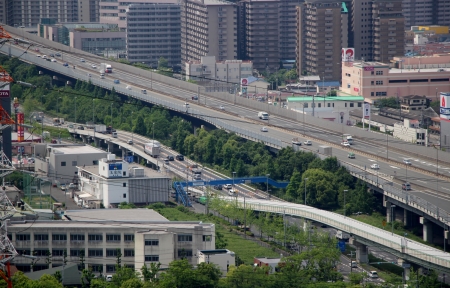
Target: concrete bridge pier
(83,138)
(407,218)
(124,152)
(406,268)
(97,142)
(390,208)
(110,147)
(427,230)
(362,256)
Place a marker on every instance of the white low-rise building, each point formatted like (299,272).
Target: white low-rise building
(142,236)
(114,181)
(223,258)
(410,131)
(208,69)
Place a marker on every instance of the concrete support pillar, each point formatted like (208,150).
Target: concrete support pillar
(388,211)
(97,142)
(406,268)
(124,152)
(110,147)
(427,230)
(83,138)
(407,218)
(362,255)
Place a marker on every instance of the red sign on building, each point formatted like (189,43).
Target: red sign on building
(20,132)
(4,93)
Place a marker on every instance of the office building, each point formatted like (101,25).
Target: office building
(59,161)
(411,76)
(28,13)
(208,28)
(322,28)
(154,31)
(208,69)
(141,235)
(265,32)
(112,182)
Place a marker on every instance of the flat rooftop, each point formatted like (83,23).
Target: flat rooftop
(148,172)
(421,70)
(115,215)
(75,149)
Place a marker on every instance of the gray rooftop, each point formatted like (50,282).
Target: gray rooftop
(115,215)
(148,172)
(75,149)
(269,260)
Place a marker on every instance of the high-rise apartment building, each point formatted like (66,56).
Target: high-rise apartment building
(29,12)
(208,28)
(388,28)
(265,32)
(322,27)
(419,12)
(153,31)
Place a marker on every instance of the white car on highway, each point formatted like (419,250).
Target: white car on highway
(375,166)
(128,87)
(264,129)
(94,66)
(345,144)
(82,60)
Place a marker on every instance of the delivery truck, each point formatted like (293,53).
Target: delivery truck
(100,128)
(152,148)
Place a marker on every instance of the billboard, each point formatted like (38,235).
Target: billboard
(348,54)
(366,112)
(444,105)
(20,132)
(244,83)
(4,93)
(115,170)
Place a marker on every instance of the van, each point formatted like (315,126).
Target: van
(114,134)
(263,115)
(354,264)
(144,91)
(373,274)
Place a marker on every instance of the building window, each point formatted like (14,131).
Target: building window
(95,252)
(207,238)
(378,82)
(76,237)
(96,268)
(124,173)
(113,238)
(351,104)
(372,82)
(372,94)
(40,252)
(379,72)
(128,253)
(184,253)
(110,268)
(151,242)
(63,163)
(319,105)
(76,252)
(124,184)
(95,237)
(346,104)
(185,238)
(95,162)
(40,237)
(359,104)
(349,86)
(305,105)
(151,258)
(128,238)
(329,105)
(74,163)
(22,237)
(124,195)
(380,94)
(58,252)
(112,252)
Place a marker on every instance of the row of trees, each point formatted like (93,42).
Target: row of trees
(220,150)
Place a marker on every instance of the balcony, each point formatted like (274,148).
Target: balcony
(41,243)
(59,243)
(77,243)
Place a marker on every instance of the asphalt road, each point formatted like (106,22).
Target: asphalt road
(425,186)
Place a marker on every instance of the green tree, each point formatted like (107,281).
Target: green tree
(293,188)
(139,126)
(163,63)
(149,274)
(86,277)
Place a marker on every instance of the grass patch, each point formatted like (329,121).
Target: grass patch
(245,249)
(55,132)
(39,201)
(376,220)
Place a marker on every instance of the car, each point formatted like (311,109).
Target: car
(406,186)
(58,54)
(166,161)
(373,274)
(264,129)
(195,97)
(72,186)
(53,60)
(345,144)
(63,187)
(65,64)
(375,166)
(44,56)
(351,155)
(108,278)
(128,87)
(406,161)
(179,157)
(116,81)
(48,59)
(227,186)
(89,75)
(80,127)
(37,49)
(170,158)
(94,66)
(143,91)
(21,26)
(39,56)
(308,142)
(221,107)
(30,160)
(82,60)
(217,187)
(51,55)
(297,142)
(354,264)
(232,192)
(130,142)
(197,176)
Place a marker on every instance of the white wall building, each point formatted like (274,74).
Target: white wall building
(59,161)
(223,258)
(410,131)
(113,181)
(332,108)
(208,69)
(142,236)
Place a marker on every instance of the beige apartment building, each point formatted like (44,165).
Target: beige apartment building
(100,234)
(322,27)
(208,69)
(265,32)
(208,28)
(28,13)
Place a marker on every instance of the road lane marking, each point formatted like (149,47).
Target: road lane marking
(421,181)
(394,167)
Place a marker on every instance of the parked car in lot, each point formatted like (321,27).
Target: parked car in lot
(53,60)
(82,60)
(179,157)
(373,274)
(297,142)
(375,166)
(58,54)
(94,66)
(63,187)
(66,65)
(128,87)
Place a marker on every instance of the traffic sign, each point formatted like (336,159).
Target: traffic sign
(384,223)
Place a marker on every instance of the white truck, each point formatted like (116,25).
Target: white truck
(105,67)
(152,148)
(263,115)
(347,138)
(100,128)
(342,235)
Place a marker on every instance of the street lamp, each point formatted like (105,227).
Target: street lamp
(392,217)
(306,179)
(344,202)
